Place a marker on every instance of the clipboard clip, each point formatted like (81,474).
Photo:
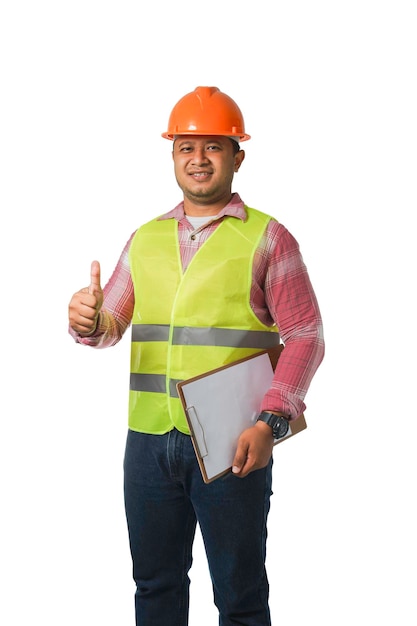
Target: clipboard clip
(198,432)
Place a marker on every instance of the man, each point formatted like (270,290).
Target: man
(203,285)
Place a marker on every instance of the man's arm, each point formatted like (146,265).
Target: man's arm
(293,306)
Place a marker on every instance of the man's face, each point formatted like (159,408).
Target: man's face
(204,167)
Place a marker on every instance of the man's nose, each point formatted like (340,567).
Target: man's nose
(200,156)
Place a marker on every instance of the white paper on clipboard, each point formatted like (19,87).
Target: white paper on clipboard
(219,405)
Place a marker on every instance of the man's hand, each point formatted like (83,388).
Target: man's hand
(85,305)
(254,449)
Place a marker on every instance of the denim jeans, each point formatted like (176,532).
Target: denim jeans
(165,497)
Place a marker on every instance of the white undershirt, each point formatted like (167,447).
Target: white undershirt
(197,221)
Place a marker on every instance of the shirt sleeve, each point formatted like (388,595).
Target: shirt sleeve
(293,306)
(117,310)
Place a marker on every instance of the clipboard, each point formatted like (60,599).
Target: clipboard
(220,404)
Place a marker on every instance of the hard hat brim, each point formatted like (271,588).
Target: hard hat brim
(171,136)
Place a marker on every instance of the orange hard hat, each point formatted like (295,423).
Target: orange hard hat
(206,111)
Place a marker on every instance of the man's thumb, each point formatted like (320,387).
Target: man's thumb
(95,278)
(240,458)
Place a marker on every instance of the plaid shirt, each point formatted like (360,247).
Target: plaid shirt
(281,293)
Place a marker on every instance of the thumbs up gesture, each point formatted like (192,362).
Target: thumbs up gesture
(85,305)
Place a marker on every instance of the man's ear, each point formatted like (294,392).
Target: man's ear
(239,156)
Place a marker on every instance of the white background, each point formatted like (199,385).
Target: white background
(328,91)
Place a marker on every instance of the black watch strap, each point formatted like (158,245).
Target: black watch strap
(278,423)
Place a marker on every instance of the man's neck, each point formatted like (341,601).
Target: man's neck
(202,210)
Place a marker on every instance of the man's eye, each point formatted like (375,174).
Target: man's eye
(213,148)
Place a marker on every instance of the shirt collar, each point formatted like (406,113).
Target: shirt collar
(235,208)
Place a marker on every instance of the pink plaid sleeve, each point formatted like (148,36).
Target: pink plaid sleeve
(292,303)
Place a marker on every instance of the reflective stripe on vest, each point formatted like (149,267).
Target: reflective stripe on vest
(205,336)
(187,323)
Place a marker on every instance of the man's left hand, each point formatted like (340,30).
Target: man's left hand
(254,449)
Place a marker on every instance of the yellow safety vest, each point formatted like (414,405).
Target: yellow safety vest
(187,323)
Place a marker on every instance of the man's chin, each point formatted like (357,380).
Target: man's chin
(200,195)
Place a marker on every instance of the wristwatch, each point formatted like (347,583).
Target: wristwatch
(278,423)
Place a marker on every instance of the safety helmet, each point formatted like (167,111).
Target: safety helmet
(206,111)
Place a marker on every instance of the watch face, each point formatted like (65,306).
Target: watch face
(281,428)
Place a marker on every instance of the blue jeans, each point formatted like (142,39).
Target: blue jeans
(165,497)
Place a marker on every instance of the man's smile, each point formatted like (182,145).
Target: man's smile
(200,175)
